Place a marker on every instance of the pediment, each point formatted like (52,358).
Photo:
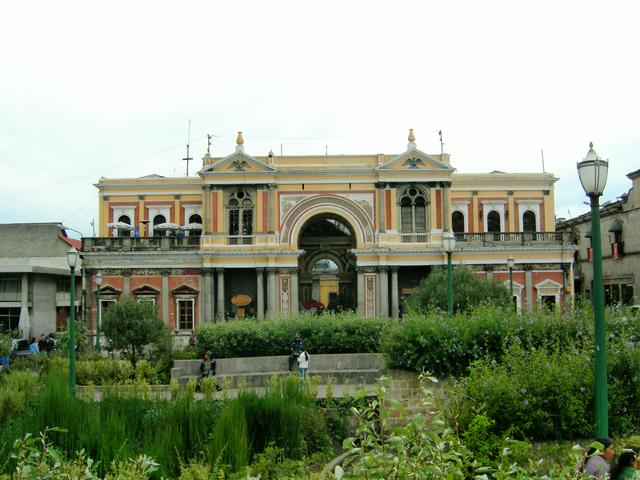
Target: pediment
(184,290)
(146,290)
(548,284)
(109,291)
(415,160)
(238,162)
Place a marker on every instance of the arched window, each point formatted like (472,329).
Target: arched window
(413,211)
(493,222)
(529,222)
(157,220)
(240,214)
(457,222)
(123,232)
(194,220)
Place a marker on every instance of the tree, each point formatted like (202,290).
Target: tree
(131,325)
(469,290)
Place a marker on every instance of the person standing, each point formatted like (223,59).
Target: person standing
(303,364)
(296,347)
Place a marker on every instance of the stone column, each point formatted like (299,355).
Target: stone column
(360,290)
(207,209)
(294,291)
(272,208)
(260,292)
(165,296)
(220,300)
(383,292)
(126,283)
(381,213)
(395,305)
(528,286)
(272,292)
(206,296)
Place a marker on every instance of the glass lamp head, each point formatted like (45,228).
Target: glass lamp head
(72,257)
(593,171)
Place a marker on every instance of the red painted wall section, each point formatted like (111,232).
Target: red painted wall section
(539,277)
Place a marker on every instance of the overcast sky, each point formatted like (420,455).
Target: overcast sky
(106,89)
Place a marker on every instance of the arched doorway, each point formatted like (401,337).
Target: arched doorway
(327,267)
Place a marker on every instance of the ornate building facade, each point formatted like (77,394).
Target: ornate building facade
(269,235)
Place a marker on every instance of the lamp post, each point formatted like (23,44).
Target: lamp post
(449,245)
(593,176)
(510,263)
(98,309)
(72,259)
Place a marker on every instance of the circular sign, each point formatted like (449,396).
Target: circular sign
(241,300)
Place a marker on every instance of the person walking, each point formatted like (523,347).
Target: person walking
(296,347)
(303,364)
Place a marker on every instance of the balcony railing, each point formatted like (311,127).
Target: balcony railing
(514,238)
(98,244)
(414,237)
(239,240)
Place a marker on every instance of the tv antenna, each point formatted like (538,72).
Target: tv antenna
(188,158)
(441,143)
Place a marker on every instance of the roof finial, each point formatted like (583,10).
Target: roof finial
(240,142)
(412,140)
(591,145)
(270,155)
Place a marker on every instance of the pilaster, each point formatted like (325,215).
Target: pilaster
(165,296)
(220,300)
(395,305)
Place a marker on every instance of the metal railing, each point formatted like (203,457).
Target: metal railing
(414,237)
(93,244)
(513,238)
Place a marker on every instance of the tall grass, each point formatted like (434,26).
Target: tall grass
(118,427)
(285,416)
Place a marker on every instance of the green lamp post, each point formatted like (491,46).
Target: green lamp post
(449,245)
(72,260)
(98,309)
(593,176)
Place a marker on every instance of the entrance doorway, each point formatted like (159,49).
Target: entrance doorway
(327,267)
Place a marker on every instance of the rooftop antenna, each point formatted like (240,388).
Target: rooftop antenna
(208,146)
(93,226)
(326,149)
(542,154)
(441,143)
(188,158)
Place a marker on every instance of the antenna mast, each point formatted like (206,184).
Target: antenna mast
(441,143)
(542,154)
(188,158)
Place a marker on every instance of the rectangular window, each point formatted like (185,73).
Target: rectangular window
(405,215)
(9,318)
(10,284)
(234,222)
(185,314)
(247,222)
(421,219)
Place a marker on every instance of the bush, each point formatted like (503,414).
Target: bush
(327,333)
(470,290)
(534,394)
(447,346)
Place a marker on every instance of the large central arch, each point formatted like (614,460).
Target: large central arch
(353,213)
(327,266)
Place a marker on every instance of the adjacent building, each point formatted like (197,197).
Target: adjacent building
(274,235)
(35,278)
(620,232)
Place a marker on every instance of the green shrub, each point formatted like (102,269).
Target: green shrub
(535,394)
(447,346)
(470,290)
(327,333)
(17,393)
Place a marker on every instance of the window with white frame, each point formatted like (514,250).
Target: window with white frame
(529,215)
(457,222)
(185,313)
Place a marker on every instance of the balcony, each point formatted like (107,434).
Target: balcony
(132,244)
(415,237)
(514,238)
